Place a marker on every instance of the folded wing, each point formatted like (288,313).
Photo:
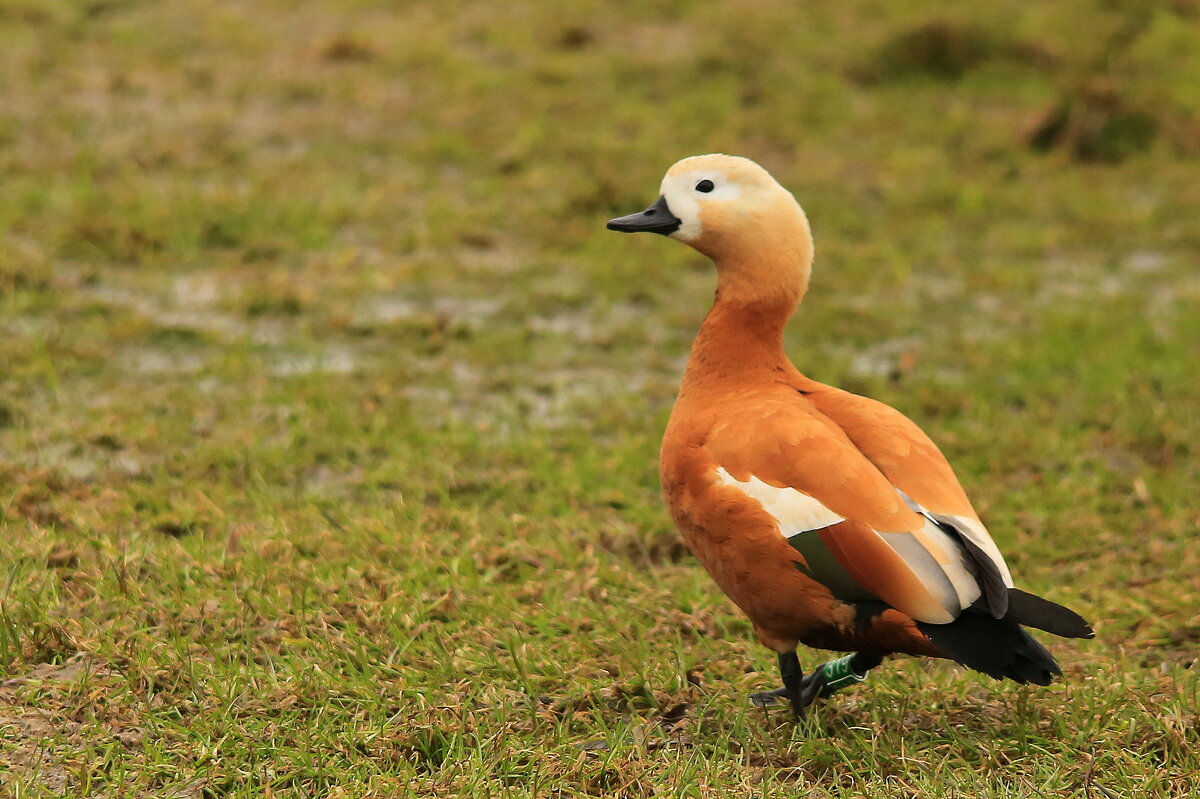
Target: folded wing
(855,531)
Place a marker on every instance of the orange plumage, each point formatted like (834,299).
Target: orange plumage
(830,519)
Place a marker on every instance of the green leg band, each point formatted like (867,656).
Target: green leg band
(837,674)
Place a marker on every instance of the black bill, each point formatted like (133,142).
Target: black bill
(655,219)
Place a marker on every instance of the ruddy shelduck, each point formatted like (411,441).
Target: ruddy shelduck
(829,518)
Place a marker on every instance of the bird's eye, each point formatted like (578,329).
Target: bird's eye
(705,186)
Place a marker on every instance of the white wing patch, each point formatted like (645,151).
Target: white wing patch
(795,511)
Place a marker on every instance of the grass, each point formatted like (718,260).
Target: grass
(329,411)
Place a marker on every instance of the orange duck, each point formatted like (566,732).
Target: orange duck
(829,518)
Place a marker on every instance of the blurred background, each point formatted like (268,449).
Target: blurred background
(329,410)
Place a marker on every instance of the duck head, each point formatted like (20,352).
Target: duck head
(733,211)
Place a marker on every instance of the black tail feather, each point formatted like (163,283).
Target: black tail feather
(996,647)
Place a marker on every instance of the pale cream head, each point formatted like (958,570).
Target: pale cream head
(732,210)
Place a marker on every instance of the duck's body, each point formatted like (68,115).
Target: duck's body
(830,519)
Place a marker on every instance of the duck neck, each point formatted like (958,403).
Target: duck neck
(739,338)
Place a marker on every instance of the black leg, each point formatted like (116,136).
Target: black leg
(864,662)
(793,682)
(825,681)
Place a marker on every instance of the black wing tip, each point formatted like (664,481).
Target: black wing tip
(1084,631)
(1035,611)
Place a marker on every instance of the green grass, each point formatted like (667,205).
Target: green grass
(329,410)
